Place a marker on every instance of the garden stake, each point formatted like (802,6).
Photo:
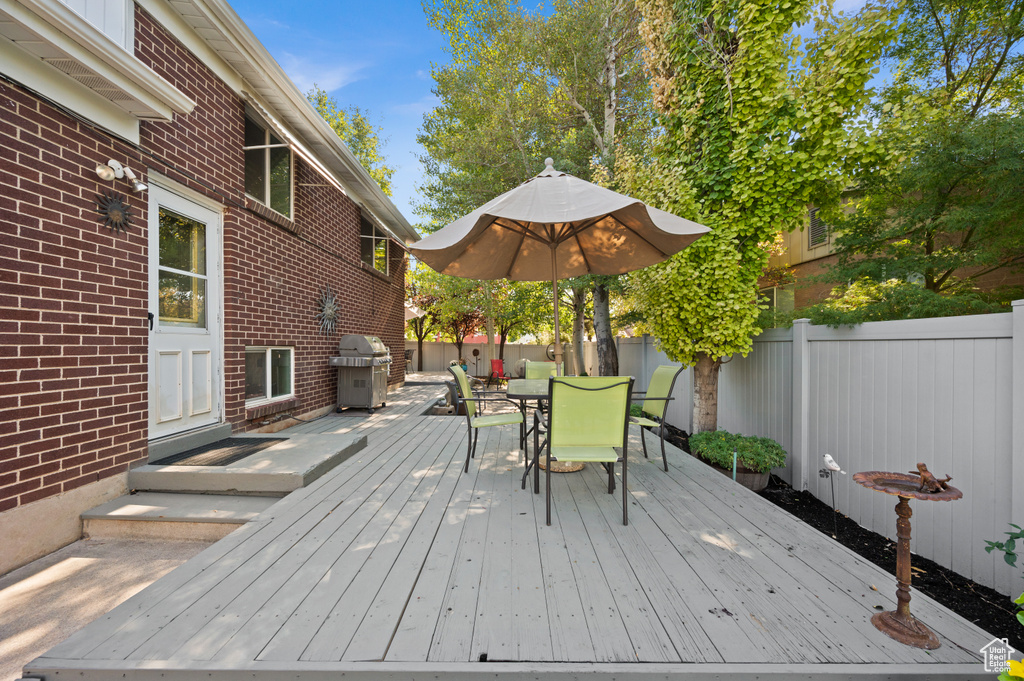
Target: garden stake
(835,511)
(734,464)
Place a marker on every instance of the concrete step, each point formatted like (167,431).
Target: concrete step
(157,515)
(275,471)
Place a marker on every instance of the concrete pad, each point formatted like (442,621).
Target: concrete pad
(276,471)
(44,602)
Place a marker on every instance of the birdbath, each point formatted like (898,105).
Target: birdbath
(899,624)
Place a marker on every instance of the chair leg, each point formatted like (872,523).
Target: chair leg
(476,434)
(625,492)
(611,477)
(643,441)
(664,459)
(469,448)
(547,485)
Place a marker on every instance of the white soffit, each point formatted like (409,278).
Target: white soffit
(55,34)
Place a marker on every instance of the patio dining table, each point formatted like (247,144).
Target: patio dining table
(528,390)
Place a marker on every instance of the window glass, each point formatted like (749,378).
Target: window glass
(268,373)
(280,372)
(380,255)
(255,374)
(281,180)
(255,173)
(181,280)
(255,135)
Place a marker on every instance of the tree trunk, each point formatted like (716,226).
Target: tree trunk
(419,353)
(705,393)
(607,355)
(579,309)
(489,322)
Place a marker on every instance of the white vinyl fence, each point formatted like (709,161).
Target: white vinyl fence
(886,395)
(881,396)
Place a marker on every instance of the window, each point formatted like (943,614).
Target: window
(269,374)
(182,271)
(817,234)
(779,298)
(268,168)
(374,246)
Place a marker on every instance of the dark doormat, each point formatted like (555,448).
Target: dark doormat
(220,453)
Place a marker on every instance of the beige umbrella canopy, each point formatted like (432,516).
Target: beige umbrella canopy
(555,226)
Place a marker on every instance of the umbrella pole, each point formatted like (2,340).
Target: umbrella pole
(554,291)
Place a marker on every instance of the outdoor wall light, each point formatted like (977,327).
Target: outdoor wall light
(112,169)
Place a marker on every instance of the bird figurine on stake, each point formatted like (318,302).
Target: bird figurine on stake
(831,468)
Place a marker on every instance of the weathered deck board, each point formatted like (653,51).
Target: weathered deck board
(397,557)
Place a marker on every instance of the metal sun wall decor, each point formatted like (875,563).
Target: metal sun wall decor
(328,311)
(115,213)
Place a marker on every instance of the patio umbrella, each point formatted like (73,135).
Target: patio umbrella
(555,226)
(412,312)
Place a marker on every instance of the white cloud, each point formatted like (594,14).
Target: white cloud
(419,107)
(305,72)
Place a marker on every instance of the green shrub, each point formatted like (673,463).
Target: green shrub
(636,409)
(759,454)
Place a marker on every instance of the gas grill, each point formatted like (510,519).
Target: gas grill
(364,364)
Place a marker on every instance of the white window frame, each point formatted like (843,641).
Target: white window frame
(265,199)
(267,399)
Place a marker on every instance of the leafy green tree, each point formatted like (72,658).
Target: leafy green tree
(517,308)
(521,87)
(752,135)
(360,135)
(937,200)
(421,292)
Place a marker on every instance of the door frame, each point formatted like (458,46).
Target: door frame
(215,272)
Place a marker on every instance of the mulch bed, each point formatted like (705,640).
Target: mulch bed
(985,607)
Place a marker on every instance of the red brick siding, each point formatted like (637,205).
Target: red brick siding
(73,295)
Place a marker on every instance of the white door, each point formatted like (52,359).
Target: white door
(185,311)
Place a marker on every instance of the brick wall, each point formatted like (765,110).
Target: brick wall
(73,295)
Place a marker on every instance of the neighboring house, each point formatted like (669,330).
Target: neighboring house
(808,251)
(203,311)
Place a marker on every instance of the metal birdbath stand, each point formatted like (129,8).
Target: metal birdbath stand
(899,624)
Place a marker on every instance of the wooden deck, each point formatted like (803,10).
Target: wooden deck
(396,565)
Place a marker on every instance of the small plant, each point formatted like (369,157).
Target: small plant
(1009,551)
(760,454)
(636,410)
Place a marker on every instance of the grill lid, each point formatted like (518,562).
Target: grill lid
(352,345)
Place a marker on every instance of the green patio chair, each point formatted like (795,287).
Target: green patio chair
(655,402)
(588,422)
(539,370)
(475,418)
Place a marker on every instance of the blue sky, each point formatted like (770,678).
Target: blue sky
(373,55)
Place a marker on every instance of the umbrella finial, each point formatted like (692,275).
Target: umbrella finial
(549,164)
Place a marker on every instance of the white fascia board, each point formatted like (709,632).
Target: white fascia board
(64,28)
(64,90)
(307,122)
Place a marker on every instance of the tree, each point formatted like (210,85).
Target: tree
(517,307)
(360,135)
(750,139)
(521,87)
(420,291)
(937,201)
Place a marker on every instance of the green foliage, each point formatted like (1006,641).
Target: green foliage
(869,301)
(938,168)
(759,454)
(360,135)
(946,214)
(750,139)
(635,409)
(1009,547)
